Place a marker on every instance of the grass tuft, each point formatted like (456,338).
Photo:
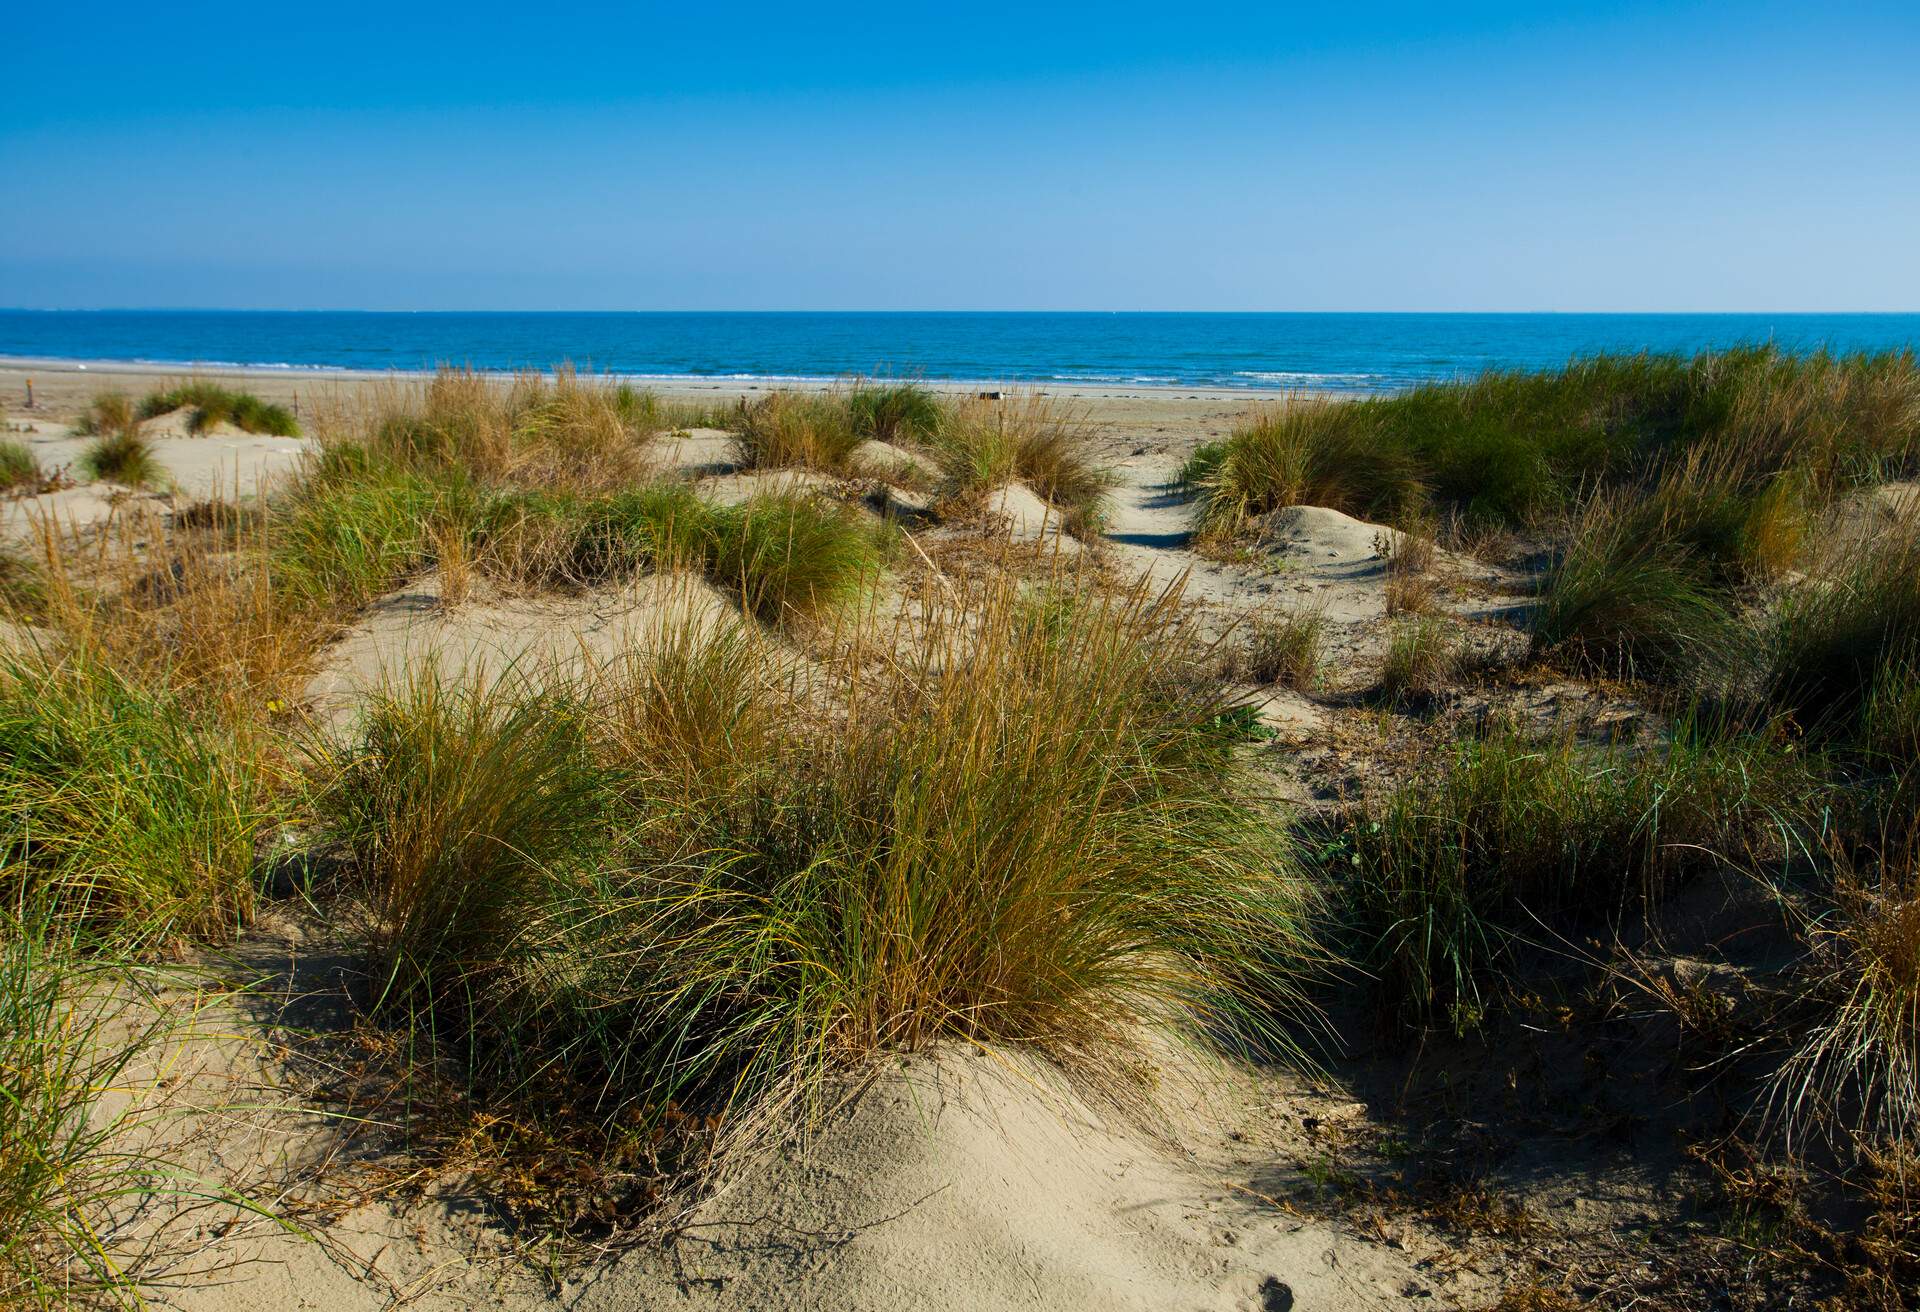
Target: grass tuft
(117,811)
(1028,439)
(19,471)
(1517,838)
(123,456)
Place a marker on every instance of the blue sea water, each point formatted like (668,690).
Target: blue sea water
(1346,352)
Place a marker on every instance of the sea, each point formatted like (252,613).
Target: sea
(1333,352)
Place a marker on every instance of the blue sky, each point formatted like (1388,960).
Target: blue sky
(1114,156)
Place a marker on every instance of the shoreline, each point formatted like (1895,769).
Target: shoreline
(691,383)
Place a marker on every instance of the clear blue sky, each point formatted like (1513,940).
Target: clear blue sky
(1113,156)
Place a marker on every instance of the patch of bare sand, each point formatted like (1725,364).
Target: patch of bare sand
(736,488)
(491,634)
(696,452)
(961,1179)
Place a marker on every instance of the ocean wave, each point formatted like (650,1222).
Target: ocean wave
(1307,378)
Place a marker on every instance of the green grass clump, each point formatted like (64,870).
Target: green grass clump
(19,471)
(123,456)
(1309,453)
(1421,656)
(1517,839)
(1032,835)
(213,405)
(355,527)
(108,412)
(1847,631)
(555,432)
(462,807)
(1031,440)
(1282,648)
(117,810)
(814,430)
(1625,598)
(791,556)
(895,412)
(1511,447)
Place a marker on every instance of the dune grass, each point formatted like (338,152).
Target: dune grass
(19,471)
(1305,453)
(1422,656)
(1850,633)
(1512,447)
(107,412)
(1517,838)
(465,801)
(1029,439)
(1281,647)
(557,431)
(813,430)
(1626,599)
(213,405)
(899,413)
(123,456)
(1030,836)
(1853,1076)
(118,812)
(68,1034)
